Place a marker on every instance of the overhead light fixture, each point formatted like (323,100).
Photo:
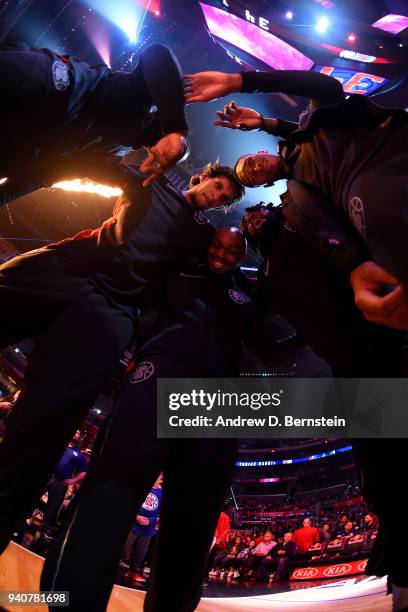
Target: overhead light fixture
(289,15)
(322,25)
(351,37)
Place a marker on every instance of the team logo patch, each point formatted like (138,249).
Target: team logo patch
(238,297)
(143,371)
(356,214)
(60,75)
(151,502)
(200,219)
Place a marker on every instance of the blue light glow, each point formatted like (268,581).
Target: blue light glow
(322,25)
(344,449)
(125,14)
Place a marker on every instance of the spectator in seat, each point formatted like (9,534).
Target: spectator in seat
(243,556)
(236,560)
(342,522)
(306,536)
(259,553)
(348,530)
(280,558)
(325,533)
(230,559)
(222,560)
(370,523)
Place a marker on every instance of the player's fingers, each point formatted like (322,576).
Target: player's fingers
(226,124)
(380,306)
(191,99)
(148,162)
(152,177)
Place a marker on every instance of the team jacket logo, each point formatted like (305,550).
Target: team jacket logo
(238,297)
(356,214)
(151,502)
(142,372)
(60,75)
(200,219)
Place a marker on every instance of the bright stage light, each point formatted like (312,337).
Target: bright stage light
(3,180)
(128,24)
(125,14)
(351,37)
(289,15)
(89,187)
(322,25)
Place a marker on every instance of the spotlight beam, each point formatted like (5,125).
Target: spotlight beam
(142,20)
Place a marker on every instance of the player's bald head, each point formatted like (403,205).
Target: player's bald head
(232,235)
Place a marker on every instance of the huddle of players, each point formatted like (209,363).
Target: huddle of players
(86,293)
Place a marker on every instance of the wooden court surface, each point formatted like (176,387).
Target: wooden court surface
(20,570)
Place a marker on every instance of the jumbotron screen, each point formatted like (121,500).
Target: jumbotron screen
(392,23)
(263,45)
(354,82)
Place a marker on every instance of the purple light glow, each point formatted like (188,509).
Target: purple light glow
(99,37)
(392,23)
(255,41)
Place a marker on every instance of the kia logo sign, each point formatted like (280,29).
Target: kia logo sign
(329,571)
(305,572)
(337,570)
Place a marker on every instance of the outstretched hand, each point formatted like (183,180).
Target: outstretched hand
(238,118)
(380,296)
(206,86)
(165,153)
